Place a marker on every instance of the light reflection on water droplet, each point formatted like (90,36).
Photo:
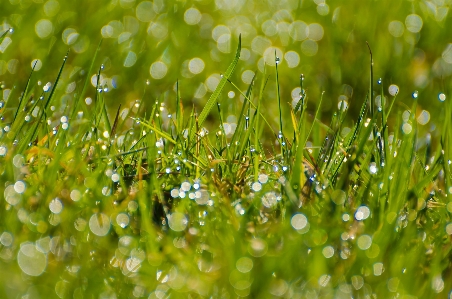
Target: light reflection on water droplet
(19,187)
(99,224)
(364,242)
(244,264)
(256,186)
(415,94)
(56,206)
(270,199)
(324,280)
(328,251)
(378,269)
(31,261)
(3,150)
(202,197)
(177,221)
(338,197)
(373,169)
(76,195)
(441,97)
(47,87)
(362,213)
(299,221)
(6,239)
(393,89)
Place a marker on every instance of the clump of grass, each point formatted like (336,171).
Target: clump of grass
(149,206)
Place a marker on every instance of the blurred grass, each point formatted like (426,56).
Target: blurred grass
(170,197)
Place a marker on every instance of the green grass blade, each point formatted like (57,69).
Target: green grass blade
(214,97)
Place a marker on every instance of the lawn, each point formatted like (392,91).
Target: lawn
(225,149)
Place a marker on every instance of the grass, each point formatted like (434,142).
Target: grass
(154,205)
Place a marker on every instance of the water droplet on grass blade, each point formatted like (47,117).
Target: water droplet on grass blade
(441,97)
(328,251)
(256,186)
(364,242)
(99,224)
(299,221)
(373,169)
(31,261)
(177,221)
(47,87)
(393,89)
(122,219)
(415,94)
(3,151)
(362,213)
(56,206)
(379,81)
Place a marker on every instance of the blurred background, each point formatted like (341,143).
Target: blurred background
(149,45)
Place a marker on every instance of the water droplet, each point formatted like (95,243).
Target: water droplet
(177,221)
(56,206)
(373,168)
(47,87)
(301,77)
(277,60)
(221,75)
(122,219)
(393,89)
(415,94)
(148,82)
(379,81)
(99,224)
(102,66)
(441,97)
(299,221)
(11,30)
(256,186)
(362,213)
(31,260)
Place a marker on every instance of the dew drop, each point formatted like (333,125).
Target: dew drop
(123,220)
(299,221)
(56,206)
(11,30)
(441,97)
(47,87)
(31,261)
(415,94)
(99,224)
(379,81)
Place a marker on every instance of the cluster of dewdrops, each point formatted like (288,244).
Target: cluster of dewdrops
(194,192)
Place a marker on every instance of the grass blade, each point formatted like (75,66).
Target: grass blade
(214,97)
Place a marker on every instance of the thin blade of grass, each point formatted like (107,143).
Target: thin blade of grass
(214,97)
